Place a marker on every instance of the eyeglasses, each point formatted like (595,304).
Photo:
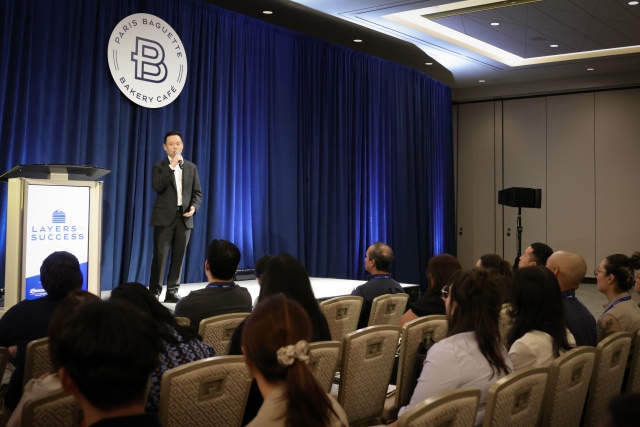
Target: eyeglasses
(445,291)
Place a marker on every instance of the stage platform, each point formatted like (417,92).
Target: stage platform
(322,288)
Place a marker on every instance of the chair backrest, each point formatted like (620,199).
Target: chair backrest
(455,408)
(367,361)
(516,400)
(217,330)
(608,372)
(427,330)
(37,361)
(323,362)
(55,409)
(505,323)
(183,321)
(387,309)
(210,391)
(567,386)
(633,382)
(4,358)
(342,314)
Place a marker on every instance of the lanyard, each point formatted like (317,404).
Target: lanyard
(220,285)
(380,276)
(627,298)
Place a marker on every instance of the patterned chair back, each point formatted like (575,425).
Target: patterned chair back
(567,386)
(323,362)
(342,314)
(633,383)
(4,358)
(611,360)
(516,400)
(387,309)
(183,321)
(37,361)
(55,409)
(217,330)
(367,361)
(208,392)
(456,408)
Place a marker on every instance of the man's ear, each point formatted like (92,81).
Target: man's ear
(555,270)
(68,384)
(206,265)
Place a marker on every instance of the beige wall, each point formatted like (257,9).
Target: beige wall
(582,150)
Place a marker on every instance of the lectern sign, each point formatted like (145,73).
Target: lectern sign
(147,60)
(57,220)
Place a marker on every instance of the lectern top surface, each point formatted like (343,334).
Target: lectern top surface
(42,171)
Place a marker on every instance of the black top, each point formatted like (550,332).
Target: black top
(144,420)
(24,322)
(372,289)
(209,302)
(580,321)
(431,303)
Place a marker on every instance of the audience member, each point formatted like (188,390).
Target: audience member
(615,277)
(440,268)
(570,269)
(499,265)
(538,334)
(222,295)
(180,345)
(624,411)
(471,356)
(275,344)
(259,269)
(29,319)
(377,262)
(106,353)
(536,254)
(284,274)
(50,382)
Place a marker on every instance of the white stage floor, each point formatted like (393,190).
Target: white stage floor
(322,288)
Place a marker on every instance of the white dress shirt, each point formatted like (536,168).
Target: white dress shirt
(177,173)
(535,349)
(452,363)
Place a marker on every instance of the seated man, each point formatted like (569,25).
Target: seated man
(222,295)
(106,353)
(536,254)
(376,262)
(29,319)
(569,269)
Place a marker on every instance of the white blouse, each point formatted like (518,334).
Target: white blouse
(535,349)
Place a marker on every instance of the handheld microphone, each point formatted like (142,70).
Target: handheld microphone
(175,153)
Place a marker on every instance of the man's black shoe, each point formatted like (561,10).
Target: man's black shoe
(172,297)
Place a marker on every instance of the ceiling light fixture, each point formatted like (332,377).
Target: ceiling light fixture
(428,63)
(633,3)
(553,45)
(481,81)
(495,24)
(267,12)
(358,41)
(590,69)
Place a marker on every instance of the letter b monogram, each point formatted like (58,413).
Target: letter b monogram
(149,60)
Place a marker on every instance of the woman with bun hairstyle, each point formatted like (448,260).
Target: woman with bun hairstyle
(275,345)
(495,262)
(615,277)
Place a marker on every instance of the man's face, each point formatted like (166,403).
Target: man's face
(173,145)
(367,262)
(527,260)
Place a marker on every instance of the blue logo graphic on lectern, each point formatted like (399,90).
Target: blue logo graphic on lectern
(59,217)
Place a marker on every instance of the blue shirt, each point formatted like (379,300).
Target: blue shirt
(372,289)
(580,321)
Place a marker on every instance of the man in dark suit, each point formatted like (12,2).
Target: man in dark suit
(177,185)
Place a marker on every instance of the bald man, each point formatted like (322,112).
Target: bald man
(570,269)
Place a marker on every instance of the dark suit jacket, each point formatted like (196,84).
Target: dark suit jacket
(164,183)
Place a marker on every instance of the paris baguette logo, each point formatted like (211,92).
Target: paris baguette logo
(147,60)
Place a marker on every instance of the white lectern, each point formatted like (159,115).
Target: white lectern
(51,208)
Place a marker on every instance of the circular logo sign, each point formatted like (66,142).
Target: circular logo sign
(147,60)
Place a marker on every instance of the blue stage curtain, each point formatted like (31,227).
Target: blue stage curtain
(302,146)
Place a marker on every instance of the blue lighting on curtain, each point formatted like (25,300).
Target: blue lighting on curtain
(302,146)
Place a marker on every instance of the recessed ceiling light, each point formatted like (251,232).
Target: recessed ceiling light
(590,69)
(358,41)
(553,45)
(481,81)
(267,12)
(633,3)
(495,24)
(428,63)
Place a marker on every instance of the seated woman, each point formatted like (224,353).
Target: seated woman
(615,277)
(471,356)
(180,344)
(49,382)
(275,344)
(539,333)
(439,271)
(284,274)
(501,266)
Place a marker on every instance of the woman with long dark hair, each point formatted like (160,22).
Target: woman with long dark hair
(615,278)
(501,266)
(440,268)
(180,344)
(275,344)
(539,333)
(471,355)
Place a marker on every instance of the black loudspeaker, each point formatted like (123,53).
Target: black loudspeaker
(520,197)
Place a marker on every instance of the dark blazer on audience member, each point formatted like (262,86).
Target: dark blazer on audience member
(580,321)
(428,305)
(372,289)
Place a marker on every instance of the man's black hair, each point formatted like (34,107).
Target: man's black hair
(223,257)
(60,274)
